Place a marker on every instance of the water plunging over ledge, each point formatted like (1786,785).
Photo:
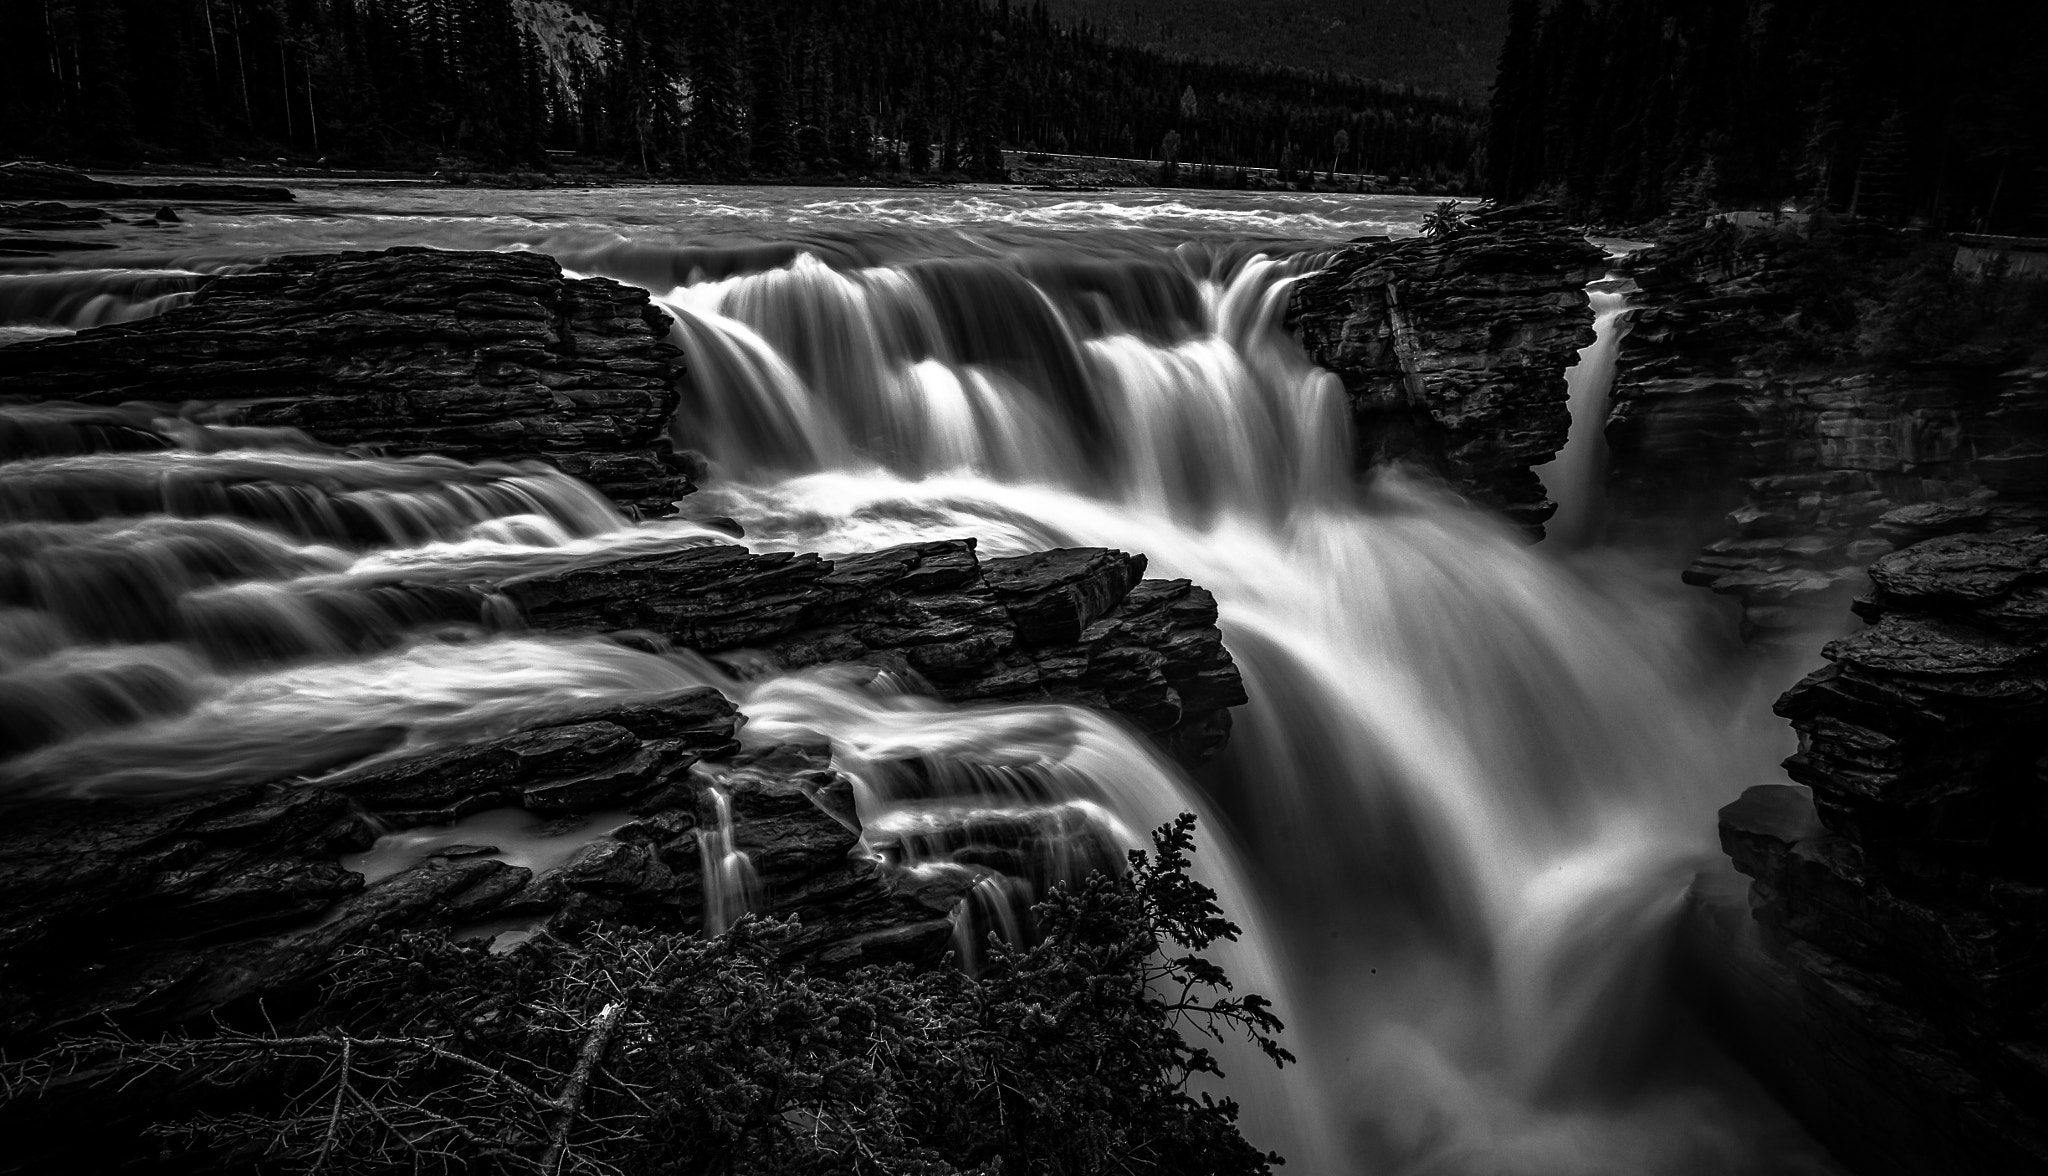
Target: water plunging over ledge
(1458,815)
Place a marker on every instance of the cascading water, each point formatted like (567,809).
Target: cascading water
(1573,478)
(1474,780)
(1456,818)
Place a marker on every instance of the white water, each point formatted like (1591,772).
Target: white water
(1575,478)
(1457,817)
(1473,780)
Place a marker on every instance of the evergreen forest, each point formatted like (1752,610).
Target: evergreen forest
(1625,110)
(694,88)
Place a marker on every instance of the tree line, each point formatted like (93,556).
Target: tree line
(705,88)
(1625,110)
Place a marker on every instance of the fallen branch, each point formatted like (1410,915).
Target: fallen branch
(570,1101)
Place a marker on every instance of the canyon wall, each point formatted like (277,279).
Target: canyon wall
(1846,425)
(1892,986)
(1768,385)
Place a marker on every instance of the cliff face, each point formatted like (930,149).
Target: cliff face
(1901,894)
(1820,464)
(1453,348)
(476,356)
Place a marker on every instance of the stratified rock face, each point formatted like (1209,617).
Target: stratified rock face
(1819,471)
(1905,898)
(1453,349)
(1078,626)
(154,913)
(476,356)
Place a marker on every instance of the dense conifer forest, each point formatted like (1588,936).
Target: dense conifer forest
(705,88)
(1877,108)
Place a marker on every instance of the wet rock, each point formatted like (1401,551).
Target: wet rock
(1076,626)
(600,756)
(46,215)
(153,913)
(476,356)
(1855,456)
(1900,892)
(1453,349)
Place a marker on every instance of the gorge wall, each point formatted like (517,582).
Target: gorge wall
(1843,422)
(1902,906)
(1769,381)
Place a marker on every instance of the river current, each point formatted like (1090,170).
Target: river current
(1458,818)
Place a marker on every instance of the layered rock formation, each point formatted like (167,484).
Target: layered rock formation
(1730,398)
(154,913)
(1452,348)
(1078,626)
(1899,1000)
(476,356)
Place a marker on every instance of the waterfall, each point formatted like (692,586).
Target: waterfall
(1474,779)
(1456,818)
(1575,478)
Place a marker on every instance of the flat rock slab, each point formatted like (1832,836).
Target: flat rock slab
(471,355)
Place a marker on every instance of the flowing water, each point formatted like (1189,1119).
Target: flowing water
(1458,817)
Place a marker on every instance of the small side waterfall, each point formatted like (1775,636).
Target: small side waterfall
(1575,478)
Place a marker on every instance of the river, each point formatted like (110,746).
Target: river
(1458,818)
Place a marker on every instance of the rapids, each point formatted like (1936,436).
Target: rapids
(1457,819)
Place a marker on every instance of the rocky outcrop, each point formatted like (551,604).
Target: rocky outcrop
(476,356)
(153,915)
(1453,348)
(38,181)
(1899,999)
(156,913)
(1731,400)
(1078,626)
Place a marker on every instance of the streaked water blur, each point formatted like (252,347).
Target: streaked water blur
(1457,817)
